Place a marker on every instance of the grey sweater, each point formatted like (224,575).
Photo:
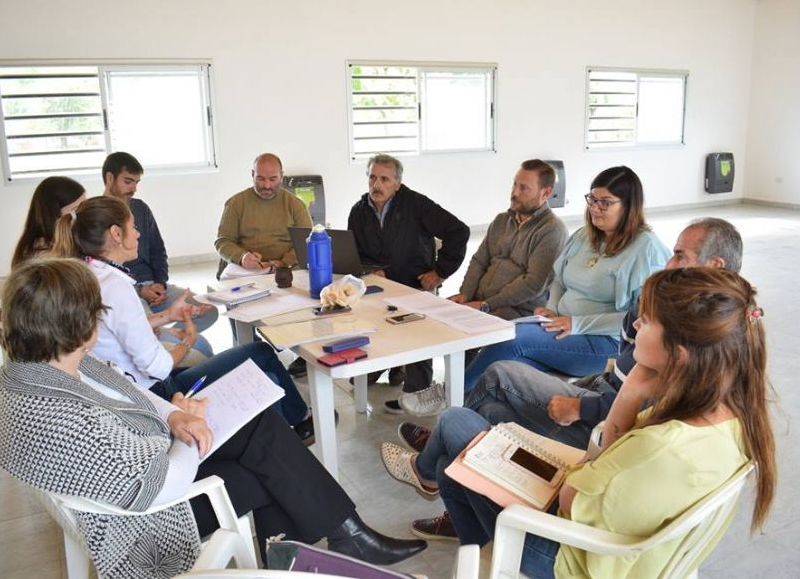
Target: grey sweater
(513,266)
(60,435)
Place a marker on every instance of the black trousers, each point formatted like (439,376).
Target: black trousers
(418,376)
(268,471)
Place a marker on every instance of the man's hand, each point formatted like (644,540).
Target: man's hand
(475,304)
(154,293)
(430,280)
(458,298)
(379,273)
(564,410)
(560,324)
(190,429)
(194,406)
(252,260)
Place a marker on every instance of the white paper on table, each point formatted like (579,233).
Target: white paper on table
(463,318)
(279,302)
(236,398)
(333,327)
(234,271)
(537,319)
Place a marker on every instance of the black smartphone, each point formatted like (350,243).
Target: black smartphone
(405,318)
(330,310)
(373,289)
(534,464)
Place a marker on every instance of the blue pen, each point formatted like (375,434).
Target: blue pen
(241,287)
(193,390)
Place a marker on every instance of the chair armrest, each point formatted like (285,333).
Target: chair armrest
(568,532)
(212,486)
(468,561)
(220,549)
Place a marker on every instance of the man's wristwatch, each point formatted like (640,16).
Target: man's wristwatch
(485,307)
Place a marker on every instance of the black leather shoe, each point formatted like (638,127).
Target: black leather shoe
(355,539)
(397,376)
(372,377)
(298,369)
(305,429)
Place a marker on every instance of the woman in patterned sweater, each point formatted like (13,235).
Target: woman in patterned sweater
(71,424)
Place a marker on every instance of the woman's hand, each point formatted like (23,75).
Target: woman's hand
(560,324)
(179,306)
(189,332)
(191,429)
(641,384)
(194,406)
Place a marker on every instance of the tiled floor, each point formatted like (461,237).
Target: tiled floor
(30,545)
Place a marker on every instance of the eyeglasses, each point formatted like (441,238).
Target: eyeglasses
(602,204)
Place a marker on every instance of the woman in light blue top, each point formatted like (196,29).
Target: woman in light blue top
(597,277)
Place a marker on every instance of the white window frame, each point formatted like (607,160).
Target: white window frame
(103,68)
(421,69)
(639,72)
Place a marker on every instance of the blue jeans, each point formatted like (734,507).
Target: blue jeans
(201,322)
(575,355)
(515,392)
(473,515)
(292,406)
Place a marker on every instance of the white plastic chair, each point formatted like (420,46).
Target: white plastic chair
(699,525)
(468,562)
(232,541)
(254,574)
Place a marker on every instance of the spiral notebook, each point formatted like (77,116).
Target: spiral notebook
(512,465)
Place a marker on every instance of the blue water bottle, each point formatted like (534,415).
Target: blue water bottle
(320,260)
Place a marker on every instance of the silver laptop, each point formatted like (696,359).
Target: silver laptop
(343,248)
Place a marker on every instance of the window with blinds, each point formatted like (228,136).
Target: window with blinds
(412,108)
(66,119)
(634,107)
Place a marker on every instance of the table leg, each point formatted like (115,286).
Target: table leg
(321,388)
(454,378)
(360,393)
(244,333)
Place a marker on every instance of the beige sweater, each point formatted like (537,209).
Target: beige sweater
(250,223)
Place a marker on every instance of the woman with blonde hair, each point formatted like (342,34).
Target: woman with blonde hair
(701,362)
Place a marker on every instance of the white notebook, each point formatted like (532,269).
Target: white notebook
(526,464)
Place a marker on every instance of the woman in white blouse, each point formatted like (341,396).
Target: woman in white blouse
(101,231)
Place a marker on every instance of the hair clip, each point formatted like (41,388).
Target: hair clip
(74,215)
(755,314)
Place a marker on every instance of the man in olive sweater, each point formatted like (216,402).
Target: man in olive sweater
(509,274)
(254,229)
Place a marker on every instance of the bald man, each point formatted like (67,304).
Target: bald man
(253,231)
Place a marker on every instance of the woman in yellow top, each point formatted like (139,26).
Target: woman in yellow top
(701,361)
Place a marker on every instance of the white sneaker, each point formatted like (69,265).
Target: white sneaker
(424,402)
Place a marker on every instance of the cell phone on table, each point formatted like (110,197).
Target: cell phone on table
(405,318)
(331,310)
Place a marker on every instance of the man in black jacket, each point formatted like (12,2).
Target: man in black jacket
(396,226)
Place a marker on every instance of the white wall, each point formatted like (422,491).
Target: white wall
(279,71)
(773,141)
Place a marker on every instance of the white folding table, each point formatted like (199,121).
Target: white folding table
(390,346)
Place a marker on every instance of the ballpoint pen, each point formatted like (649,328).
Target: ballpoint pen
(241,287)
(195,387)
